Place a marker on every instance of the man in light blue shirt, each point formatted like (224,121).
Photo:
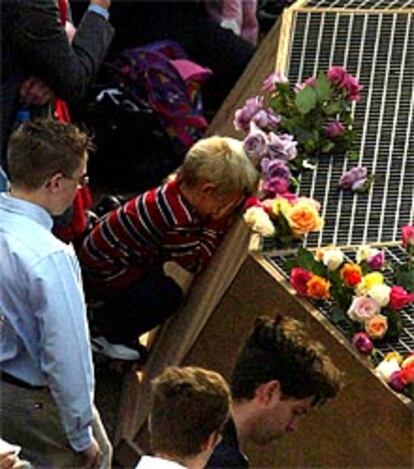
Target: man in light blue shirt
(46,371)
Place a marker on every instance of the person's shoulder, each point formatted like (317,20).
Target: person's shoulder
(226,456)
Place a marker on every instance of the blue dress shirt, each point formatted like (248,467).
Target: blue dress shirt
(43,325)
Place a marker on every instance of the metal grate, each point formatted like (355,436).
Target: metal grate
(355,4)
(379,49)
(394,254)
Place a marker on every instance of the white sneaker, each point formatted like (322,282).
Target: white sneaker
(115,351)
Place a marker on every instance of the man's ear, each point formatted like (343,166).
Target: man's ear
(211,442)
(267,393)
(54,183)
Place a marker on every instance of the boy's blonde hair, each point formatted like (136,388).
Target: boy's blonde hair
(223,162)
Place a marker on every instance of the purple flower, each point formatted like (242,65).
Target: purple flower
(376,261)
(274,168)
(395,382)
(271,82)
(255,144)
(335,129)
(275,186)
(243,116)
(282,146)
(363,343)
(336,74)
(353,179)
(266,119)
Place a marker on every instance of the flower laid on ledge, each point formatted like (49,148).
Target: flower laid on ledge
(356,180)
(398,372)
(300,122)
(358,291)
(283,217)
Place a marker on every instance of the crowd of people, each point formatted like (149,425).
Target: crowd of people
(137,262)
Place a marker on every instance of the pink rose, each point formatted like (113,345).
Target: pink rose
(363,343)
(311,81)
(271,82)
(376,261)
(399,298)
(363,308)
(299,278)
(407,235)
(336,74)
(275,186)
(334,129)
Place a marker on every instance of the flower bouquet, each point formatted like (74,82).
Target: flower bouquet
(398,372)
(284,218)
(358,291)
(302,122)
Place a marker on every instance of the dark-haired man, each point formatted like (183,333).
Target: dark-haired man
(279,375)
(46,371)
(189,409)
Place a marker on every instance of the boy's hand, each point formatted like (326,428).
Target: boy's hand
(182,277)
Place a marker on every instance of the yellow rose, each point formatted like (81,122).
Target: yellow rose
(393,356)
(282,206)
(304,218)
(369,281)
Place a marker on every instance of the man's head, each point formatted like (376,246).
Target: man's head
(189,409)
(279,375)
(48,158)
(219,175)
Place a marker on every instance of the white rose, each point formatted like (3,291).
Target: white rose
(259,221)
(363,253)
(380,293)
(386,368)
(332,258)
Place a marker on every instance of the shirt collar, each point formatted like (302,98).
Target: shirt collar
(29,209)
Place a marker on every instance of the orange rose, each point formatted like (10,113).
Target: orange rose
(304,217)
(377,326)
(318,288)
(351,274)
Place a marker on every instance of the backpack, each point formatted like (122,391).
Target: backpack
(144,116)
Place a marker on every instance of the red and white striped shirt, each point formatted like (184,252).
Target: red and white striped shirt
(148,230)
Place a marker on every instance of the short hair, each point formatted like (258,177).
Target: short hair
(40,148)
(280,349)
(223,162)
(188,405)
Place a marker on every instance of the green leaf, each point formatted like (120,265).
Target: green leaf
(327,147)
(322,87)
(336,315)
(353,155)
(394,324)
(332,109)
(290,264)
(405,279)
(306,100)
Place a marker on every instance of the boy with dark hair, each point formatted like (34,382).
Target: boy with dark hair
(46,371)
(141,258)
(190,406)
(279,375)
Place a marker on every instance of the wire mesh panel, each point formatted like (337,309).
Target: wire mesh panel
(395,255)
(378,48)
(359,4)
